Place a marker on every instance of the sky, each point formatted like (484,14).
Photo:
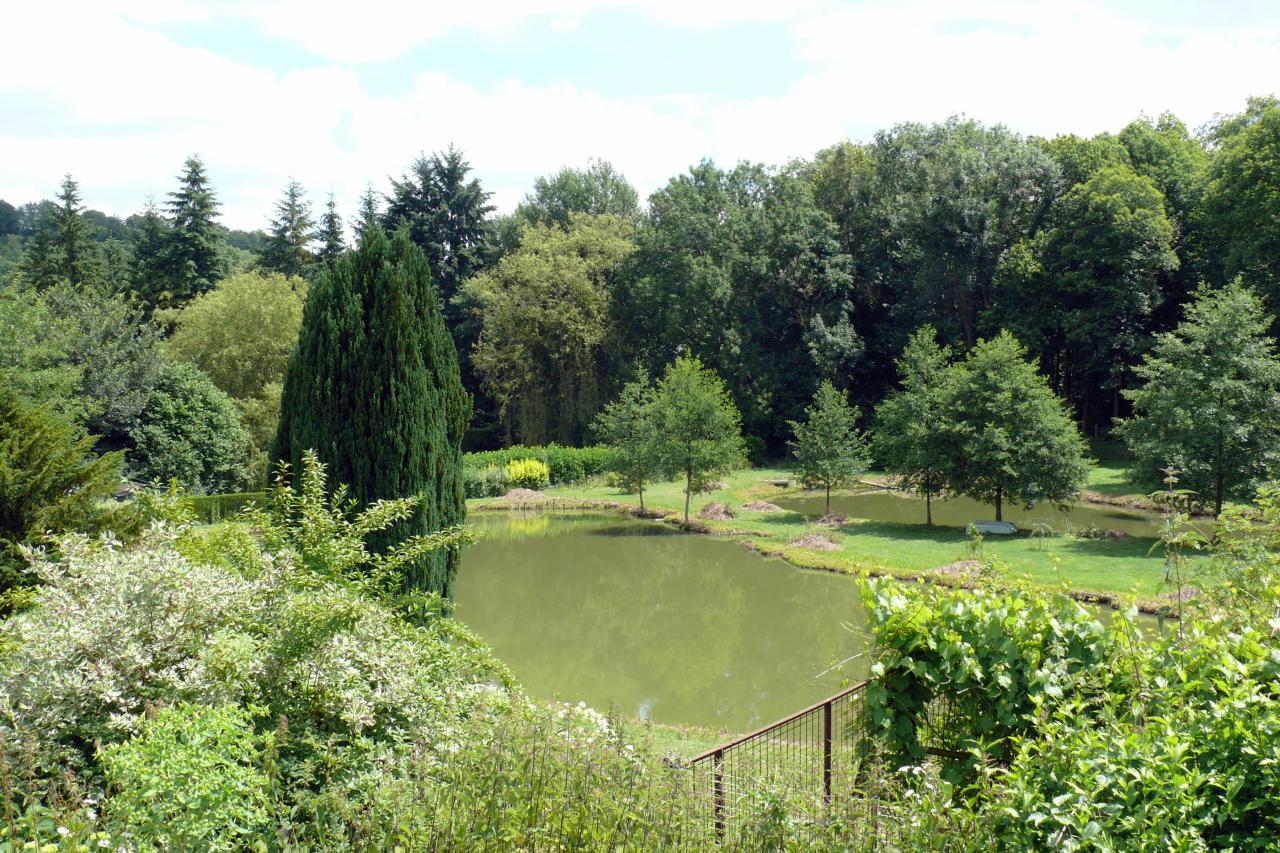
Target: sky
(342,95)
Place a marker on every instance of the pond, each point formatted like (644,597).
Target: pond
(881,505)
(676,628)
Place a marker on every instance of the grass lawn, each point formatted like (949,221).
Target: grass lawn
(1126,567)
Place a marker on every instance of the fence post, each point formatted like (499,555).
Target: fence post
(717,764)
(826,752)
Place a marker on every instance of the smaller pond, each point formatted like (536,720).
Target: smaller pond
(658,624)
(880,505)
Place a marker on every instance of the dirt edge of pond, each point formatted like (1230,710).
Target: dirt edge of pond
(803,558)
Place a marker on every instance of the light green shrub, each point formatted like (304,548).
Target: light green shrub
(528,474)
(191,779)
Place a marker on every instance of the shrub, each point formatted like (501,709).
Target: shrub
(527,474)
(211,508)
(565,465)
(192,778)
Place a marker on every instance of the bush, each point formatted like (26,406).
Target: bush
(565,465)
(211,508)
(488,482)
(192,778)
(527,474)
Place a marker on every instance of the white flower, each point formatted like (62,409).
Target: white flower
(63,831)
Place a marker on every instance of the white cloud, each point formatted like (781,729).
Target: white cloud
(94,89)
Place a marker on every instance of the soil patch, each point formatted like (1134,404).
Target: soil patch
(762,506)
(833,519)
(815,542)
(959,567)
(524,496)
(716,511)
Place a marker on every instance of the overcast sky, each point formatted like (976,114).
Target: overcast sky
(338,95)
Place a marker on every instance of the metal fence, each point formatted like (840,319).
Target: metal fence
(812,762)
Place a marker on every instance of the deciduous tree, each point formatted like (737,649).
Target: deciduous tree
(829,448)
(627,426)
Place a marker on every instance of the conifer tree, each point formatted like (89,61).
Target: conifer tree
(147,273)
(192,258)
(78,255)
(329,234)
(373,388)
(41,264)
(286,251)
(370,217)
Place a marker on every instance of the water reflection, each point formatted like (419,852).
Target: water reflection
(958,512)
(677,628)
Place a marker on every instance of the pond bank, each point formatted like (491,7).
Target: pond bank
(1109,573)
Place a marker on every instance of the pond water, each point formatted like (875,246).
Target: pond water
(657,624)
(880,505)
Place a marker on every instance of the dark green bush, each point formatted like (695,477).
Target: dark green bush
(211,508)
(567,464)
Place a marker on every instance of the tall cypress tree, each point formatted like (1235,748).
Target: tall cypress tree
(192,257)
(286,251)
(373,388)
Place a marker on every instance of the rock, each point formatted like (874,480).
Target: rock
(716,511)
(815,542)
(762,506)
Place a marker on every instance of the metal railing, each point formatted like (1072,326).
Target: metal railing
(815,759)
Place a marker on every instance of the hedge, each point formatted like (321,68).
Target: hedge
(566,464)
(211,508)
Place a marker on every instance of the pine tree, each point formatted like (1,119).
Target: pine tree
(79,256)
(192,258)
(41,264)
(370,218)
(147,272)
(329,234)
(373,388)
(291,230)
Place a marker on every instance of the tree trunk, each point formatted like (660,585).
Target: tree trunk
(999,503)
(1217,501)
(642,497)
(928,506)
(828,499)
(688,488)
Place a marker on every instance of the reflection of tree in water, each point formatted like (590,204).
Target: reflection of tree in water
(695,629)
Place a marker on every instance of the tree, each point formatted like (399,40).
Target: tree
(41,265)
(192,257)
(373,388)
(329,235)
(1210,402)
(241,334)
(50,480)
(544,313)
(599,189)
(829,448)
(627,427)
(1083,293)
(1242,201)
(1012,437)
(35,354)
(147,275)
(370,217)
(699,430)
(446,217)
(190,431)
(909,437)
(291,230)
(78,254)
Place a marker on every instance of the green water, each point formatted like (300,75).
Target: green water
(958,512)
(660,625)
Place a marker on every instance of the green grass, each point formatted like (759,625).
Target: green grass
(1112,480)
(1107,567)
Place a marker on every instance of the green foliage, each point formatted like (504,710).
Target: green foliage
(544,313)
(1209,405)
(214,508)
(291,231)
(528,474)
(35,345)
(191,257)
(628,428)
(191,778)
(597,190)
(490,482)
(1010,436)
(829,448)
(50,481)
(373,388)
(565,464)
(909,432)
(699,431)
(329,234)
(191,432)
